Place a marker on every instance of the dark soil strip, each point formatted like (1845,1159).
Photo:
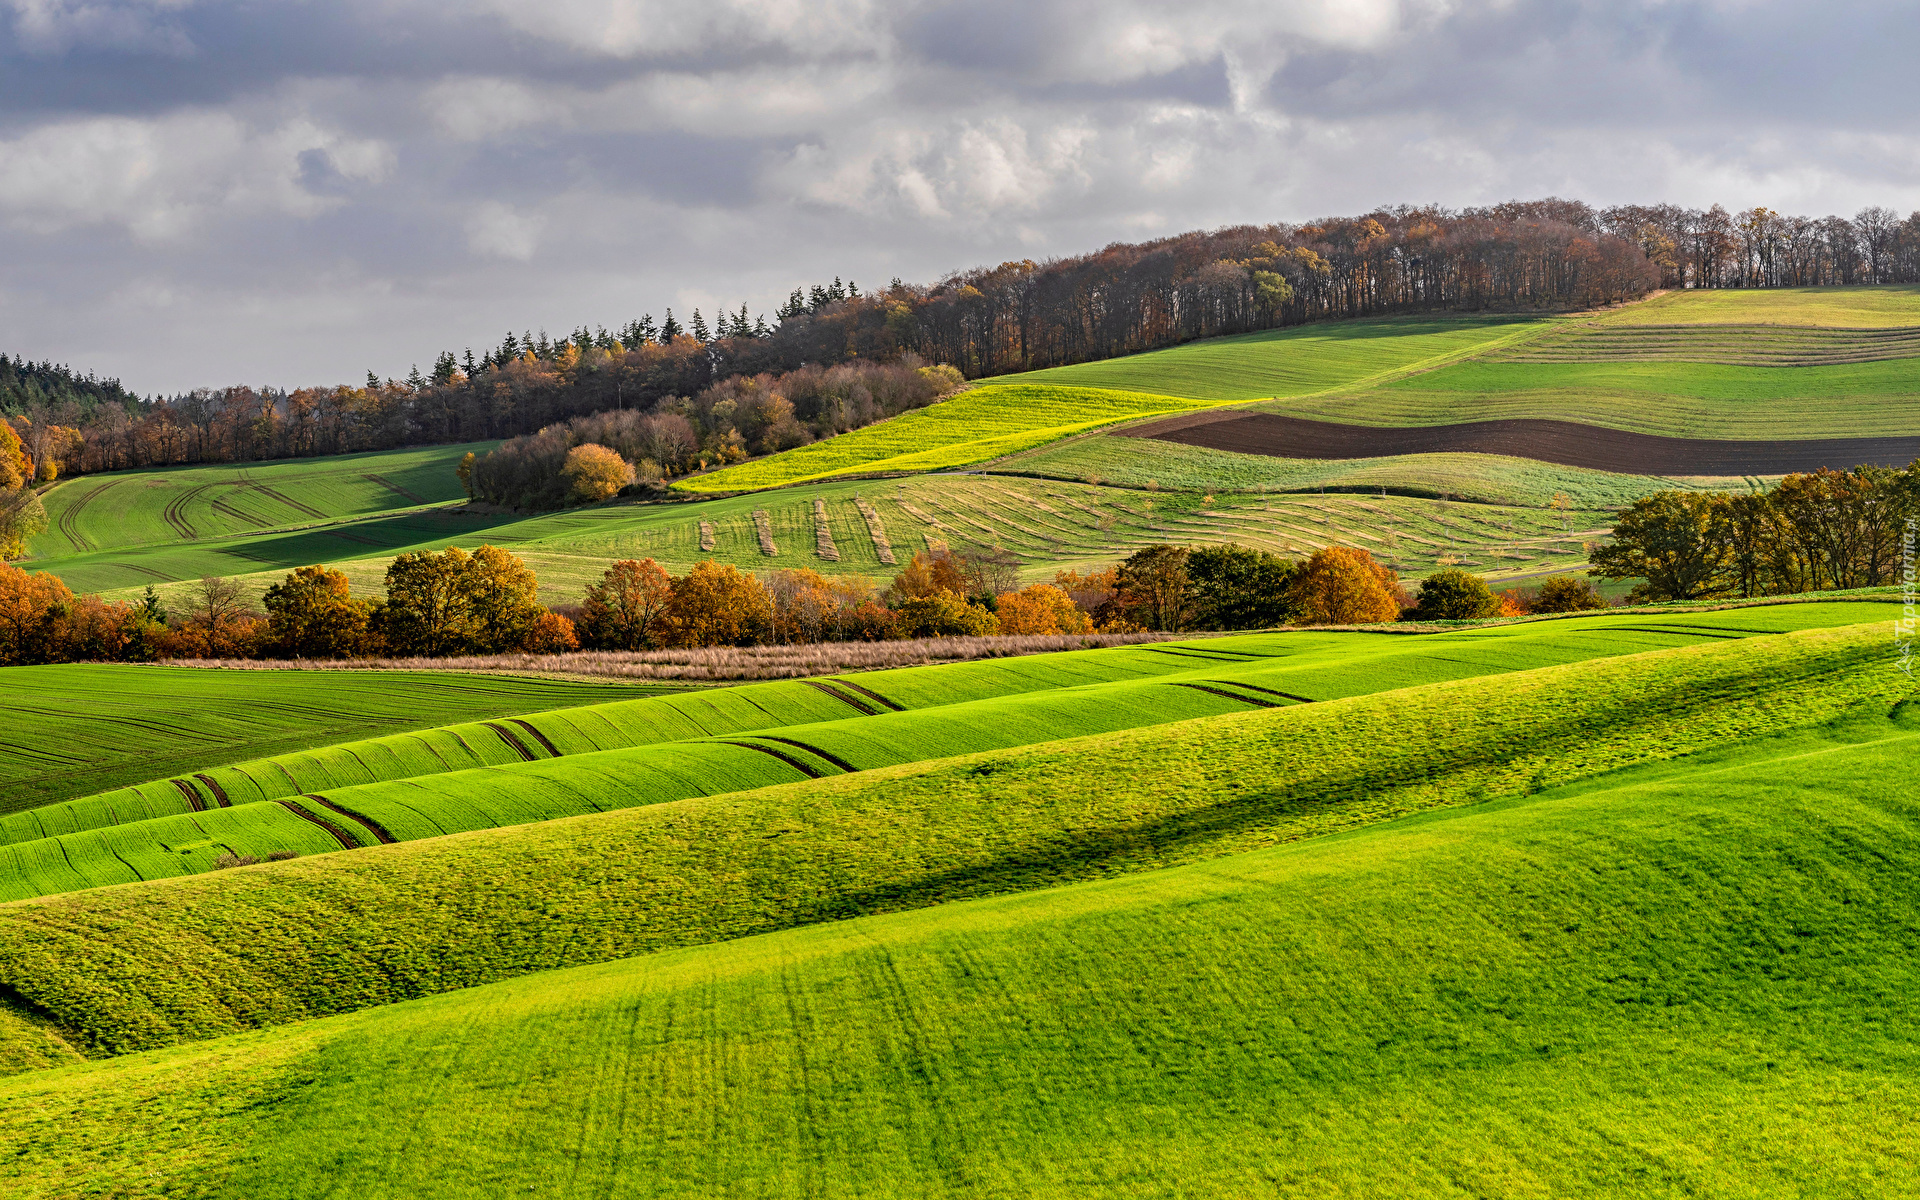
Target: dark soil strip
(1226,695)
(1668,629)
(339,835)
(193,796)
(816,751)
(1192,654)
(506,735)
(219,793)
(396,489)
(537,736)
(376,828)
(1266,691)
(869,693)
(842,697)
(1564,442)
(788,759)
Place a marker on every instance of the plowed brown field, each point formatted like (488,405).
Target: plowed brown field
(1564,442)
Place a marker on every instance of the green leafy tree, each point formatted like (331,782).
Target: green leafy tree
(429,606)
(1233,587)
(1455,595)
(944,614)
(504,599)
(1154,584)
(1566,593)
(1674,541)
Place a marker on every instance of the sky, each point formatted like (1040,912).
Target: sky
(294,192)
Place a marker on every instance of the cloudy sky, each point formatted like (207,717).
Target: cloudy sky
(295,191)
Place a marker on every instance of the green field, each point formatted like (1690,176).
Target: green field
(79,728)
(168,505)
(1047,525)
(1691,976)
(570,762)
(1291,362)
(974,426)
(1844,307)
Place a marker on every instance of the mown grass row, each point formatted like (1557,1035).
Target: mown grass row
(126,968)
(1472,1001)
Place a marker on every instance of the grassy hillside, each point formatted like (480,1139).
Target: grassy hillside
(974,426)
(1845,307)
(185,504)
(77,729)
(1046,524)
(594,759)
(1290,362)
(1471,1001)
(124,968)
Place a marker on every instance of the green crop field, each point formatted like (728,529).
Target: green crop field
(78,728)
(1844,307)
(566,763)
(169,505)
(1479,998)
(1291,362)
(977,425)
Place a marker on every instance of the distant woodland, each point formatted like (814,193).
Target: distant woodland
(1128,297)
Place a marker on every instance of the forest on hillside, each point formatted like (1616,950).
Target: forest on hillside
(990,320)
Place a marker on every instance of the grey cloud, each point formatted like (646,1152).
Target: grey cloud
(301,207)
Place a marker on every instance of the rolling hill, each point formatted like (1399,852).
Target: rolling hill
(1575,924)
(79,728)
(570,762)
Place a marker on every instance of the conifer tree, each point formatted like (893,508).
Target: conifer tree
(700,333)
(669,329)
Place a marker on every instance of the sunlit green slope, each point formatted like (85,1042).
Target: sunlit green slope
(1695,979)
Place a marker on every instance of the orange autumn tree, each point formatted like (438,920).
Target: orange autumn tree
(1343,586)
(627,609)
(1041,609)
(717,604)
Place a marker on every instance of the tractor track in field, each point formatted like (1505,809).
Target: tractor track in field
(374,827)
(70,519)
(339,835)
(1566,443)
(816,751)
(852,702)
(219,793)
(506,735)
(396,489)
(537,736)
(289,501)
(175,512)
(784,757)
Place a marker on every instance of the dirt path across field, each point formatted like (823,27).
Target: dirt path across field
(1563,442)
